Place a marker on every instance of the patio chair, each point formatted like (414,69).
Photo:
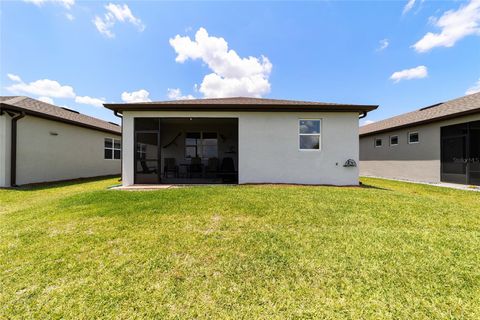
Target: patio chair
(227,170)
(195,167)
(170,166)
(145,168)
(211,169)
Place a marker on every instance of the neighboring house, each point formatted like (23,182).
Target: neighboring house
(436,143)
(40,142)
(240,140)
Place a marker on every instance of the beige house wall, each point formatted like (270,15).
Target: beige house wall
(5,129)
(268,150)
(416,162)
(74,152)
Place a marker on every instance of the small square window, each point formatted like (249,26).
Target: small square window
(108,153)
(108,143)
(394,140)
(309,142)
(112,148)
(309,126)
(413,137)
(190,152)
(378,143)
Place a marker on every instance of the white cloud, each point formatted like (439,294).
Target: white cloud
(176,94)
(474,89)
(104,25)
(46,99)
(383,44)
(43,88)
(46,89)
(66,3)
(116,12)
(14,77)
(408,74)
(215,86)
(136,96)
(408,6)
(124,14)
(454,25)
(69,16)
(90,101)
(232,75)
(367,122)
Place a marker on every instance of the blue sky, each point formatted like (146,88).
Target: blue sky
(401,55)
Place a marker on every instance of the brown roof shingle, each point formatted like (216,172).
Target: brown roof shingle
(461,106)
(49,111)
(240,104)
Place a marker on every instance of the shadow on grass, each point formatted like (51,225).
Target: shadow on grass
(60,184)
(368,186)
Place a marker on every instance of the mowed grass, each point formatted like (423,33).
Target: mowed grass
(389,250)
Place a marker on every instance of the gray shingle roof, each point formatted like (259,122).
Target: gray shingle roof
(49,111)
(461,106)
(239,103)
(242,101)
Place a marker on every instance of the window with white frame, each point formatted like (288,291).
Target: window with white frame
(309,131)
(112,148)
(378,142)
(393,140)
(413,137)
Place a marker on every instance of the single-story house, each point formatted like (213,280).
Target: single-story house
(40,142)
(436,143)
(240,140)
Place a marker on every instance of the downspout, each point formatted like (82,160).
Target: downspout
(121,155)
(364,114)
(13,149)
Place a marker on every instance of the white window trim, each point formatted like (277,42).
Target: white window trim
(112,148)
(310,134)
(390,140)
(375,142)
(408,137)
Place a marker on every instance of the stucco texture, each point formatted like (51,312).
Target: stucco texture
(74,152)
(268,150)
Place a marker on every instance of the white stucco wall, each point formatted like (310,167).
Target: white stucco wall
(269,146)
(5,127)
(416,162)
(75,152)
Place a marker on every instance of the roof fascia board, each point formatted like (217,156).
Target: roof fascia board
(240,108)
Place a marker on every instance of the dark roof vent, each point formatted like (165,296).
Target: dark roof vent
(115,124)
(71,110)
(432,106)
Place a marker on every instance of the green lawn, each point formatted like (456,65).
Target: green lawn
(388,250)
